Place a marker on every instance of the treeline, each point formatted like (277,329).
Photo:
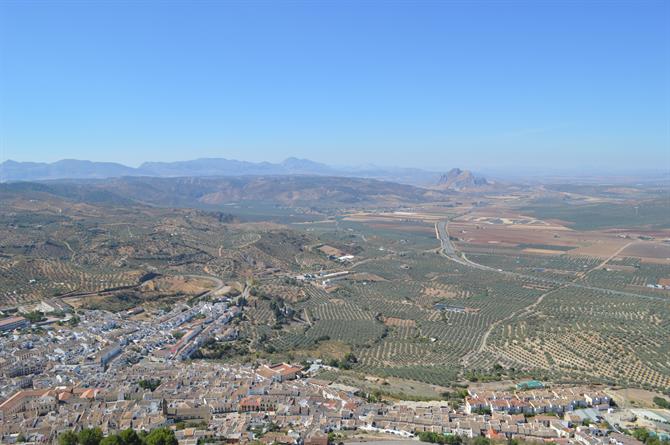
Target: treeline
(216,350)
(452,439)
(346,362)
(640,434)
(283,312)
(648,437)
(94,436)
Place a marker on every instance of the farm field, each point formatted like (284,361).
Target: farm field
(483,317)
(593,336)
(532,290)
(414,340)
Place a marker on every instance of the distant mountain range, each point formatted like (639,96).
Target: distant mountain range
(211,167)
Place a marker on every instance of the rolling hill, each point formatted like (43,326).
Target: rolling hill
(208,192)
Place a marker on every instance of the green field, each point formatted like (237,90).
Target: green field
(651,213)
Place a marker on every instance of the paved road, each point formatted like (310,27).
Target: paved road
(218,281)
(448,251)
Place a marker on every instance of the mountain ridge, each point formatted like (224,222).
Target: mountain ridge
(82,169)
(217,192)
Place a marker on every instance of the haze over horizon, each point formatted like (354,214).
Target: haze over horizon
(502,172)
(483,86)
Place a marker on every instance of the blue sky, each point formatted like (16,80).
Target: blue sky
(497,84)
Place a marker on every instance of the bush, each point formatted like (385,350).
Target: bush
(90,436)
(130,437)
(34,316)
(428,436)
(112,440)
(161,436)
(150,384)
(68,438)
(93,436)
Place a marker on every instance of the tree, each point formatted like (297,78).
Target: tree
(375,396)
(449,439)
(428,436)
(90,436)
(350,357)
(161,436)
(112,440)
(482,411)
(68,438)
(34,316)
(641,434)
(130,437)
(452,439)
(150,384)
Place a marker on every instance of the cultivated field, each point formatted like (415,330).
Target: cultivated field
(535,288)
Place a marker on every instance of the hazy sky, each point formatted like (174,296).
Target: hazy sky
(561,84)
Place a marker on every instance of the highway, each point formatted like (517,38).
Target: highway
(448,250)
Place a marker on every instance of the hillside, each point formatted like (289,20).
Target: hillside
(306,191)
(205,167)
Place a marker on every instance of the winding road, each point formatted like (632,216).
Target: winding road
(448,250)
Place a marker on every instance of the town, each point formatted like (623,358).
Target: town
(299,222)
(118,371)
